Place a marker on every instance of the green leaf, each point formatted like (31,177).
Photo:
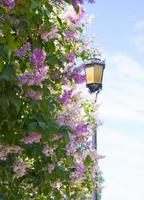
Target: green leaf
(1,64)
(52,60)
(77,9)
(68,1)
(8,73)
(15,101)
(4,104)
(32,126)
(10,41)
(2,40)
(60,21)
(88,161)
(34,4)
(50,47)
(49,7)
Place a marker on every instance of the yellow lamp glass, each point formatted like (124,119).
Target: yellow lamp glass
(90,74)
(98,73)
(94,73)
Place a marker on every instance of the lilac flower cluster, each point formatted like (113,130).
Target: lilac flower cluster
(19,168)
(65,97)
(6,149)
(47,151)
(73,115)
(77,76)
(81,128)
(50,35)
(37,75)
(70,35)
(64,81)
(34,77)
(70,114)
(32,137)
(37,58)
(79,167)
(71,149)
(36,95)
(23,50)
(75,3)
(73,18)
(50,168)
(9,3)
(80,15)
(78,174)
(70,57)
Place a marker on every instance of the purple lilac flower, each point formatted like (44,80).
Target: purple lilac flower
(77,76)
(78,175)
(71,149)
(36,95)
(38,57)
(65,97)
(64,81)
(9,3)
(48,150)
(22,51)
(80,15)
(32,137)
(89,144)
(73,17)
(81,128)
(50,168)
(80,168)
(76,2)
(6,149)
(34,77)
(20,168)
(70,35)
(71,57)
(50,35)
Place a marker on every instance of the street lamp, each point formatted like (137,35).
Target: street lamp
(94,76)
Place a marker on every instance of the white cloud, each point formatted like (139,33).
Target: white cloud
(123,111)
(122,97)
(138,42)
(126,65)
(123,165)
(139,25)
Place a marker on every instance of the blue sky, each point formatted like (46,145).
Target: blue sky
(119,29)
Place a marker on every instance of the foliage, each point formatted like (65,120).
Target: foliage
(43,132)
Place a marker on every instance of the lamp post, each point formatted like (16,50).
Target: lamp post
(94,76)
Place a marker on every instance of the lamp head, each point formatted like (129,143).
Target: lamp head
(94,75)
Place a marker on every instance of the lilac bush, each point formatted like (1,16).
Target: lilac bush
(45,152)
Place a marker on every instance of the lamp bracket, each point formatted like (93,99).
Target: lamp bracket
(94,87)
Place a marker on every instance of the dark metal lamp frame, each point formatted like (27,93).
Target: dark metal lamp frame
(96,87)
